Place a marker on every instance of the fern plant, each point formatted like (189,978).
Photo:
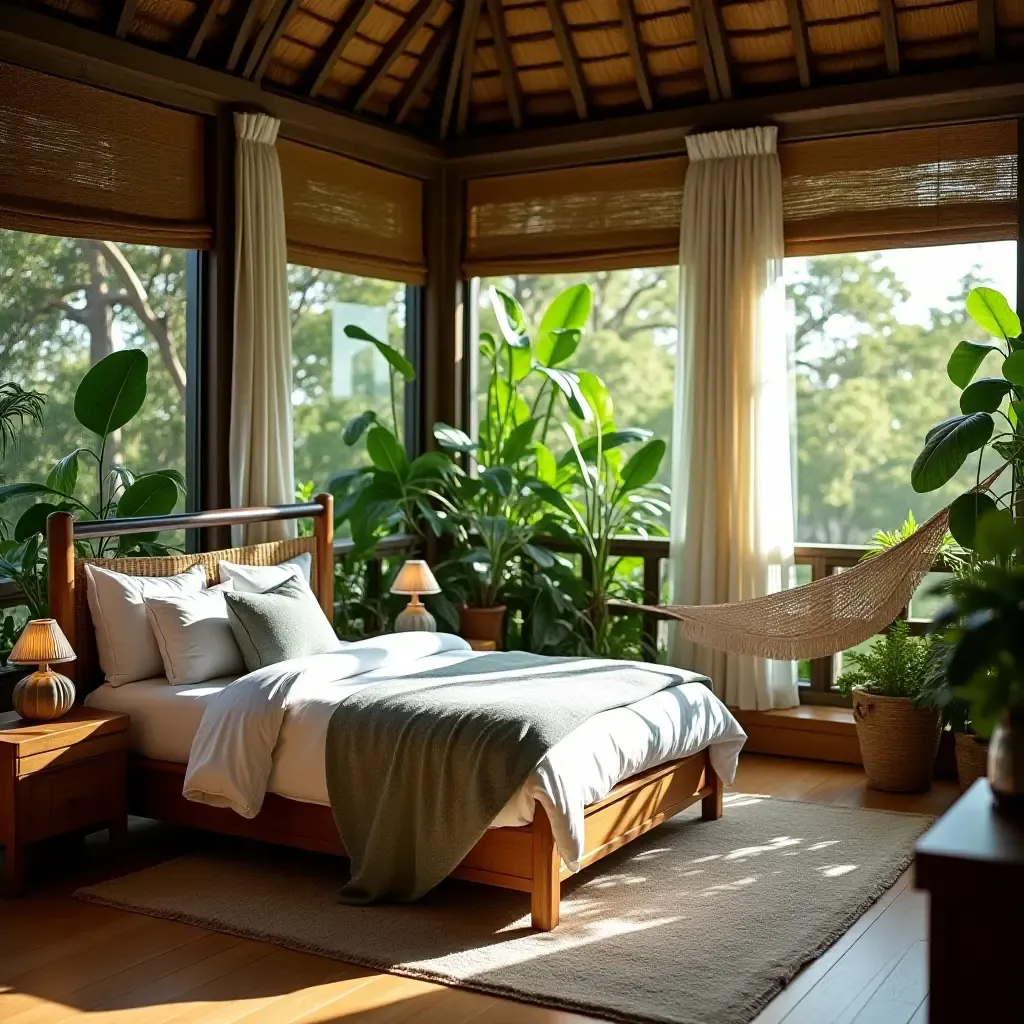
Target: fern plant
(898,665)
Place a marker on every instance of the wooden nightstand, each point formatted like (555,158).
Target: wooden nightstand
(58,777)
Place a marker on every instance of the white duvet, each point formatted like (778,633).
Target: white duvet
(266,732)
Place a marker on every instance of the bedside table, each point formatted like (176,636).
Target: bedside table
(57,777)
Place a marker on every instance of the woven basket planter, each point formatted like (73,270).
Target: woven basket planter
(897,742)
(971,759)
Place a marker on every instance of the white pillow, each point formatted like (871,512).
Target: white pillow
(124,638)
(194,636)
(258,579)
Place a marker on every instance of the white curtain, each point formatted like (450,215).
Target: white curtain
(262,464)
(732,518)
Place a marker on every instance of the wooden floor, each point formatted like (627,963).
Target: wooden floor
(63,960)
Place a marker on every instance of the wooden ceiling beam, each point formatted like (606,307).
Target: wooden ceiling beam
(202,23)
(710,18)
(570,59)
(125,18)
(251,8)
(636,53)
(987,29)
(506,64)
(801,48)
(891,36)
(414,21)
(343,32)
(426,70)
(272,30)
(707,60)
(463,43)
(466,81)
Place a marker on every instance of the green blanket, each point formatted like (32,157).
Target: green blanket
(418,767)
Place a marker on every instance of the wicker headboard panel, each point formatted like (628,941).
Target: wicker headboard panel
(87,669)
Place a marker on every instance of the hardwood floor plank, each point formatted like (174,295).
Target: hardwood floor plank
(899,997)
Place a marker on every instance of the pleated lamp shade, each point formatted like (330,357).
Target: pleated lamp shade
(41,643)
(415,577)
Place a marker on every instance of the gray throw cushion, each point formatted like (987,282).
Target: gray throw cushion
(284,622)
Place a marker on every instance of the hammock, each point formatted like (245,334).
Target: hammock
(819,618)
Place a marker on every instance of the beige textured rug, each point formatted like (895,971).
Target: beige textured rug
(695,923)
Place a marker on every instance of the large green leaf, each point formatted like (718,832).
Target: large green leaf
(357,426)
(610,440)
(568,384)
(643,467)
(965,360)
(964,514)
(112,392)
(64,475)
(1013,367)
(546,468)
(568,312)
(946,448)
(996,534)
(511,320)
(392,355)
(386,453)
(985,395)
(518,442)
(451,439)
(989,309)
(540,555)
(33,520)
(150,495)
(430,466)
(597,395)
(498,480)
(11,491)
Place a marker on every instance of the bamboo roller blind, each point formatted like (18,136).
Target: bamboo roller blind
(915,187)
(344,215)
(86,163)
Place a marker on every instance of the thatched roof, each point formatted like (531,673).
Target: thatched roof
(451,67)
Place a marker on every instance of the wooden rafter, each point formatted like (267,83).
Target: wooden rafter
(987,29)
(716,40)
(414,21)
(125,18)
(242,33)
(509,78)
(343,32)
(707,60)
(467,24)
(426,70)
(636,52)
(801,49)
(569,57)
(466,83)
(203,23)
(889,33)
(272,30)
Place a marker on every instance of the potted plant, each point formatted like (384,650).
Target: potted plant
(897,732)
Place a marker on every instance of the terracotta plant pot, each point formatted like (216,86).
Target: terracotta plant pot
(486,624)
(971,759)
(897,742)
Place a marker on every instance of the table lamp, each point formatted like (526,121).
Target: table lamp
(44,695)
(415,578)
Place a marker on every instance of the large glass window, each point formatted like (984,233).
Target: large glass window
(335,377)
(65,303)
(873,332)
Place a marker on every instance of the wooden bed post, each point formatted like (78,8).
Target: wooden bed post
(711,805)
(60,577)
(323,534)
(546,890)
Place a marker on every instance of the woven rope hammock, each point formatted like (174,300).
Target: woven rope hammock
(823,617)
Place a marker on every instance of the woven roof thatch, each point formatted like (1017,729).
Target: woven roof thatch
(449,67)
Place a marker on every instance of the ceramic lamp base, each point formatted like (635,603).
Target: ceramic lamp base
(414,618)
(43,696)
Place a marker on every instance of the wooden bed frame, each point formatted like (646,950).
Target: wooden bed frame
(524,858)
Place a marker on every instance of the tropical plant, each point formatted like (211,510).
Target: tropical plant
(949,443)
(394,493)
(896,665)
(16,406)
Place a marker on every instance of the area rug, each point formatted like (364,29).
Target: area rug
(695,923)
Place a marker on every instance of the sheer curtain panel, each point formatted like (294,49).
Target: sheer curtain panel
(262,468)
(732,521)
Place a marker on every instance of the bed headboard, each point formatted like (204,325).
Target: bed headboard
(66,571)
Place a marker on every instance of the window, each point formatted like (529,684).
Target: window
(630,341)
(65,303)
(873,332)
(334,377)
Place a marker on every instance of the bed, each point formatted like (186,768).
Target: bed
(615,798)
